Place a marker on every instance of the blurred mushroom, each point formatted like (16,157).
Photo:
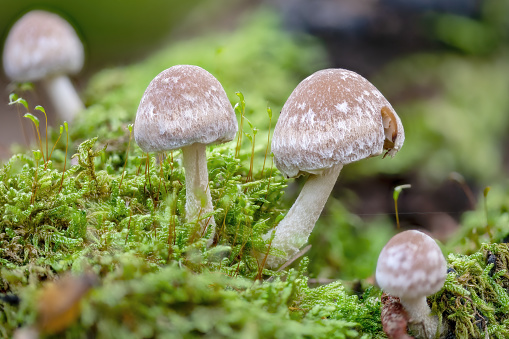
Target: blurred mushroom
(58,305)
(411,267)
(333,117)
(186,107)
(59,302)
(26,333)
(41,46)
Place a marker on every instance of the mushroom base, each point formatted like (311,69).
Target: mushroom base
(294,230)
(422,323)
(63,96)
(198,199)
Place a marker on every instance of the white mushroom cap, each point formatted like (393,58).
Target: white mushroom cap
(41,44)
(183,105)
(410,266)
(333,117)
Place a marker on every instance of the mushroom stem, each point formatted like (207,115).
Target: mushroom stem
(421,321)
(63,95)
(198,199)
(294,230)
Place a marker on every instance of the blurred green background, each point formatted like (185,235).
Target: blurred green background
(444,66)
(114,32)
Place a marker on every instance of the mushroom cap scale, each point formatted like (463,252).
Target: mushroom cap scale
(411,266)
(334,116)
(181,106)
(41,44)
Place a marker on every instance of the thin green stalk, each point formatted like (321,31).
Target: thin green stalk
(147,173)
(56,142)
(270,176)
(463,184)
(488,226)
(25,136)
(251,164)
(130,127)
(252,140)
(36,123)
(128,225)
(13,98)
(269,111)
(40,108)
(240,107)
(37,156)
(395,195)
(65,159)
(161,163)
(172,227)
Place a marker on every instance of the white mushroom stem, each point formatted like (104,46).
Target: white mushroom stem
(198,199)
(294,230)
(421,321)
(63,96)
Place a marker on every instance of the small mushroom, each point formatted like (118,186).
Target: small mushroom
(333,117)
(41,46)
(411,267)
(185,107)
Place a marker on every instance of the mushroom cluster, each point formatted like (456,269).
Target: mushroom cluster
(41,46)
(411,267)
(333,118)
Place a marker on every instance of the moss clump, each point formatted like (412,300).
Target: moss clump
(43,222)
(138,299)
(474,301)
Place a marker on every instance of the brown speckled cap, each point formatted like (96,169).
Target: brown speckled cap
(333,117)
(41,44)
(183,105)
(411,265)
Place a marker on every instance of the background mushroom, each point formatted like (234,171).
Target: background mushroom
(411,267)
(333,117)
(186,107)
(41,46)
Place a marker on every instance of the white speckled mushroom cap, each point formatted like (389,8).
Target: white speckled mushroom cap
(411,265)
(41,44)
(332,117)
(183,105)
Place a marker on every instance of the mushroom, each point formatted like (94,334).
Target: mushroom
(333,117)
(411,267)
(41,46)
(185,107)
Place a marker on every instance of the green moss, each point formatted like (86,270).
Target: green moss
(474,300)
